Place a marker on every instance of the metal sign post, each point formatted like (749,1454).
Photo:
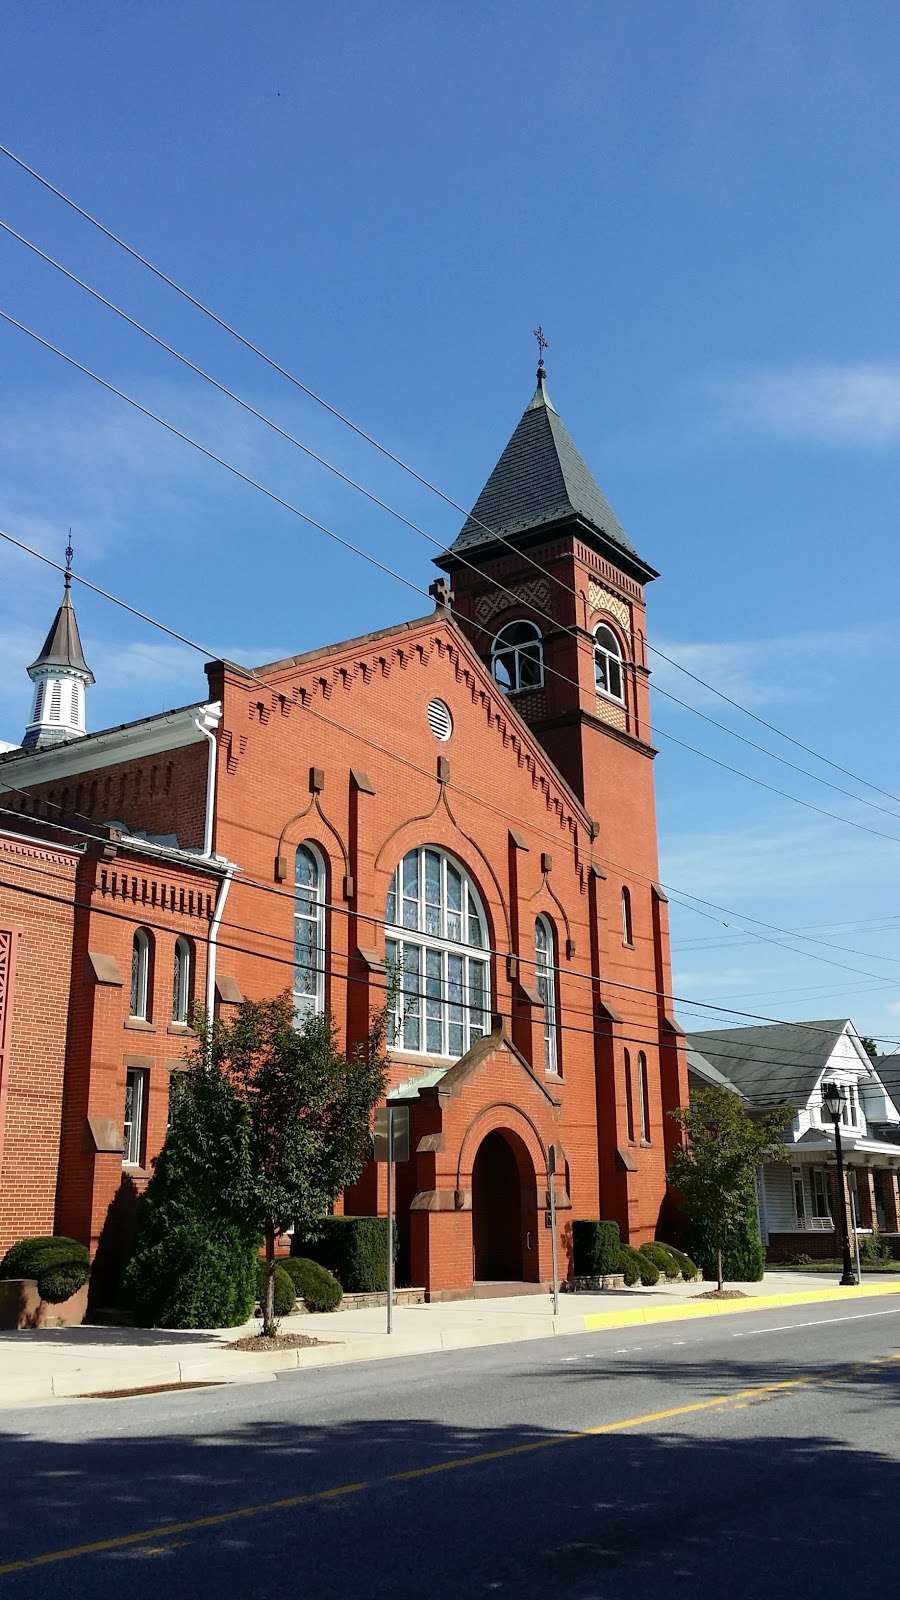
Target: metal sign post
(551,1174)
(391,1145)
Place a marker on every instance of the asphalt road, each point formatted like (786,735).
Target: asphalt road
(748,1456)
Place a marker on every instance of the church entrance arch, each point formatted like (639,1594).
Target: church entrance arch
(503,1185)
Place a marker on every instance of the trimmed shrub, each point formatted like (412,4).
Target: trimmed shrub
(687,1267)
(744,1255)
(354,1249)
(285,1292)
(313,1283)
(595,1248)
(197,1274)
(636,1268)
(662,1258)
(60,1265)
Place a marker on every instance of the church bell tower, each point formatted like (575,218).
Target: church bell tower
(60,676)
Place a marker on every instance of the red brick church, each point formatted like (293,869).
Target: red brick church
(465,799)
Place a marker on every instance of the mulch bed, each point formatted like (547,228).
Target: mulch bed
(723,1294)
(276,1341)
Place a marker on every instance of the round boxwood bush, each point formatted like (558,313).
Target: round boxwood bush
(688,1268)
(285,1293)
(314,1284)
(196,1275)
(60,1265)
(637,1268)
(595,1248)
(662,1259)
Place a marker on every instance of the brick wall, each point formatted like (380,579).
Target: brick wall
(159,794)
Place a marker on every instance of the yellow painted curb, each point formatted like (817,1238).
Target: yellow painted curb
(687,1310)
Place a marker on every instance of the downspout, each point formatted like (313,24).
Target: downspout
(212,946)
(201,723)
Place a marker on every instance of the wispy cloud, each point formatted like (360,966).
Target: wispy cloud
(853,404)
(764,671)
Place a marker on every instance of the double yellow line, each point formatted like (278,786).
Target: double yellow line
(170,1530)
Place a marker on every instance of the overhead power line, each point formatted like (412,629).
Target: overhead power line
(397,460)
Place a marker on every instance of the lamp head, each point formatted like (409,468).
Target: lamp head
(831,1099)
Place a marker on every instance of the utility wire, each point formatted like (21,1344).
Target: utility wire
(365,555)
(581,642)
(398,461)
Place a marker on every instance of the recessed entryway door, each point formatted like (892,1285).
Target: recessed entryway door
(497,1221)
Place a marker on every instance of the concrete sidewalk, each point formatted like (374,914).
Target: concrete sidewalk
(64,1363)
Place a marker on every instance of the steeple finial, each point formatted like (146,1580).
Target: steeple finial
(69,557)
(542,344)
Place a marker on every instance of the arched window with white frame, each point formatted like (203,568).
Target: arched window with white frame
(182,979)
(436,946)
(545,983)
(309,932)
(608,664)
(517,657)
(141,957)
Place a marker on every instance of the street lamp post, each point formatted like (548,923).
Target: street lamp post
(833,1103)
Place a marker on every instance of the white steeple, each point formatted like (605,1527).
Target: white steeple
(60,676)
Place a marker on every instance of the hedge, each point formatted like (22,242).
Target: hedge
(354,1249)
(198,1274)
(689,1268)
(313,1283)
(61,1265)
(662,1257)
(595,1248)
(285,1292)
(636,1268)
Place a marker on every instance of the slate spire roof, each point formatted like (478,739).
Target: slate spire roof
(541,477)
(62,646)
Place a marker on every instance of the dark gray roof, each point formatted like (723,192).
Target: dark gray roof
(888,1069)
(62,646)
(779,1061)
(701,1067)
(540,477)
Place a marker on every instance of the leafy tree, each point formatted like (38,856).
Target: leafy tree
(297,1122)
(869,1046)
(715,1169)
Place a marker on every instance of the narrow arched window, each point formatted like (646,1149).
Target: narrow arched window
(608,664)
(629,1097)
(436,946)
(627,930)
(545,983)
(141,950)
(182,980)
(309,932)
(645,1097)
(517,657)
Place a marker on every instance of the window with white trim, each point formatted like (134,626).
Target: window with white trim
(436,947)
(545,983)
(141,950)
(133,1124)
(309,932)
(182,980)
(517,657)
(608,664)
(821,1192)
(644,1088)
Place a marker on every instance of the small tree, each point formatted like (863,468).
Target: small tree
(303,1112)
(869,1046)
(715,1169)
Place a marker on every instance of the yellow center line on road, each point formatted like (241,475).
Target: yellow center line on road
(738,1399)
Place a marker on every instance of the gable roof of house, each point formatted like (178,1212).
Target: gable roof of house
(777,1061)
(540,478)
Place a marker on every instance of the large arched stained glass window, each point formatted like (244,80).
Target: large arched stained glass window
(436,948)
(309,932)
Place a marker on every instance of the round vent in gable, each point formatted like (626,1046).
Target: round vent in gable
(439,719)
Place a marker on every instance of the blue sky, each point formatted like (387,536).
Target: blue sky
(700,203)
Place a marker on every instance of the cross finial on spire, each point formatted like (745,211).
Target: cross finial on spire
(69,557)
(542,344)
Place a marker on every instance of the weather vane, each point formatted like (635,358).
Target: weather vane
(542,344)
(69,555)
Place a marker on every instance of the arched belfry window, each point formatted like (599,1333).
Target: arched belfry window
(141,952)
(436,946)
(182,980)
(309,932)
(545,983)
(517,657)
(608,664)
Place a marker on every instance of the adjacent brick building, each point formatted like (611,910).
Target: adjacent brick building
(464,801)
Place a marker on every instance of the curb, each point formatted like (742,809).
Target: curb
(687,1311)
